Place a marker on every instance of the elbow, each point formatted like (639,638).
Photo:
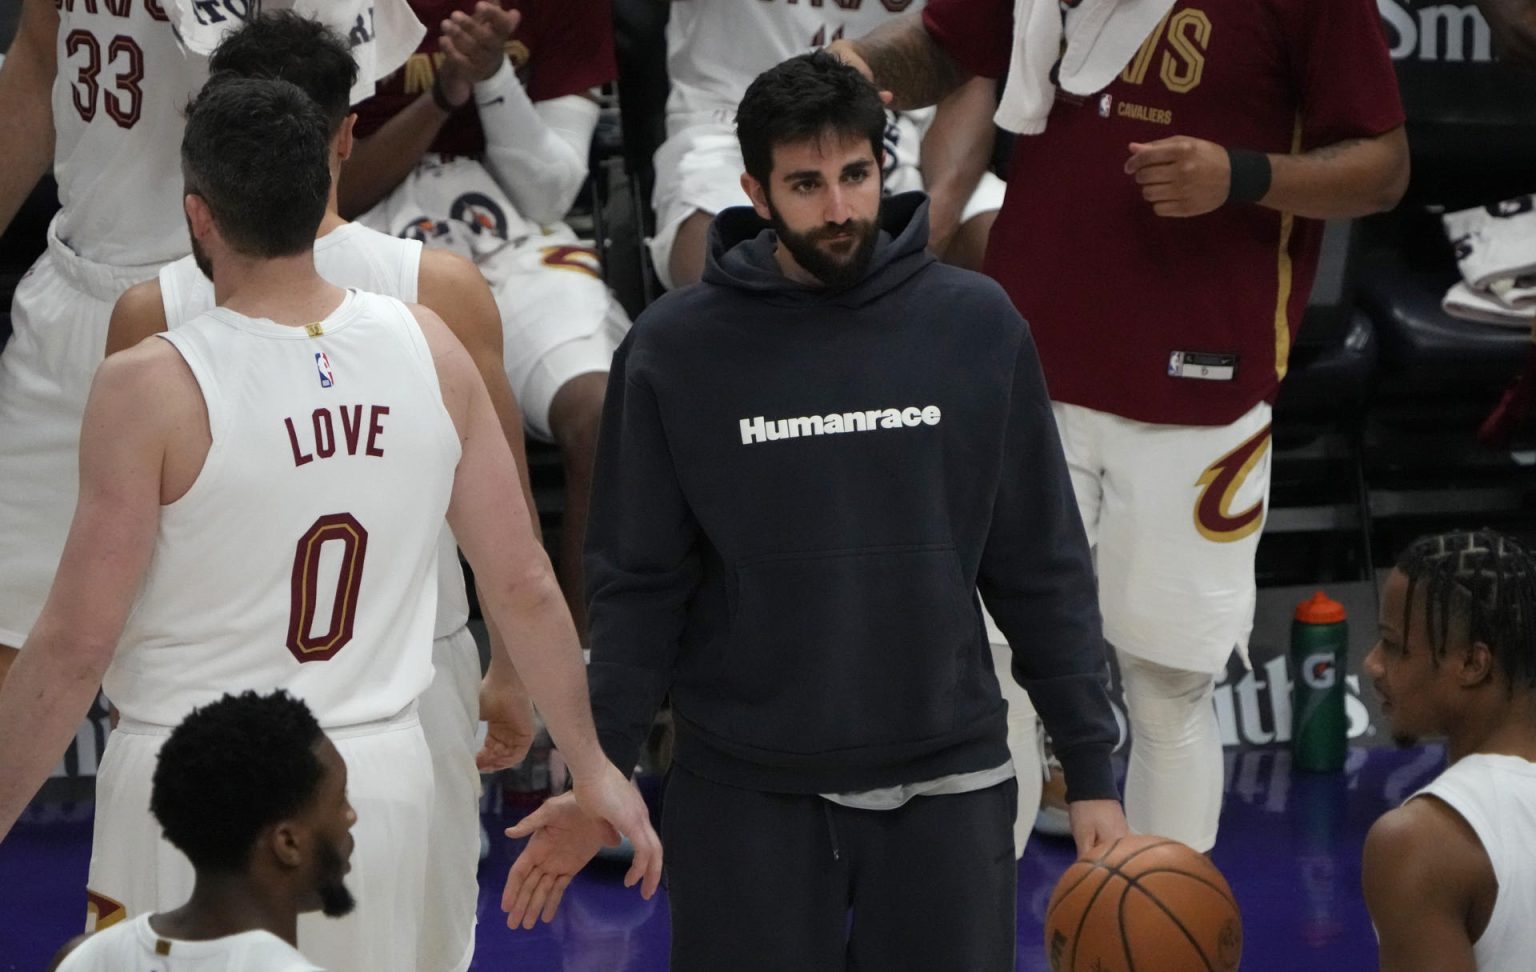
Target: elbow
(1394,183)
(550,206)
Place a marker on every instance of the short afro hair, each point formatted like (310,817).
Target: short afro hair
(231,769)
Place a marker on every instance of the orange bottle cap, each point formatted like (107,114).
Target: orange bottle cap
(1320,609)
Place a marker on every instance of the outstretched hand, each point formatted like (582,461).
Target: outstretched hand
(566,832)
(844,51)
(564,839)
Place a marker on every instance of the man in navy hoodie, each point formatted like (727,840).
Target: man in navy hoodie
(809,466)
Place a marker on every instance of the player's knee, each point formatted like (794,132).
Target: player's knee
(1166,705)
(577,410)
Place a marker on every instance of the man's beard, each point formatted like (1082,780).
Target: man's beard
(335,900)
(200,257)
(836,273)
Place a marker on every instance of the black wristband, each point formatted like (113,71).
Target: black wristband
(1251,173)
(440,99)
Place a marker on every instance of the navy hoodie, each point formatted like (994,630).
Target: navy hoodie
(799,493)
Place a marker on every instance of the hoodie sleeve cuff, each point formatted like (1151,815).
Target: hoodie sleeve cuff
(1089,773)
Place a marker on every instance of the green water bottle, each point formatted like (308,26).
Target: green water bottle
(1319,657)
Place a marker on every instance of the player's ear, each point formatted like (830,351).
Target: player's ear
(199,216)
(758,193)
(285,843)
(344,138)
(1475,666)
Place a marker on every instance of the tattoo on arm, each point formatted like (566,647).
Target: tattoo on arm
(907,61)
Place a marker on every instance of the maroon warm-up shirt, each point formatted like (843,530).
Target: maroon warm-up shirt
(561,47)
(1111,290)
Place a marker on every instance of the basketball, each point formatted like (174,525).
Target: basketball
(1143,904)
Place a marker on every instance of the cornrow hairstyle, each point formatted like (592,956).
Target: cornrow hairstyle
(231,769)
(1486,582)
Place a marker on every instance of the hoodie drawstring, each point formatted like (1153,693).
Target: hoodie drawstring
(826,808)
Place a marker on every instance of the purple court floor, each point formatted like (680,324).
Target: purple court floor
(1290,846)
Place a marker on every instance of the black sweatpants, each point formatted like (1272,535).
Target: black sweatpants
(791,883)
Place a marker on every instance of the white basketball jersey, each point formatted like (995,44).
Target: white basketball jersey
(132,946)
(1496,795)
(118,96)
(353,256)
(304,555)
(716,47)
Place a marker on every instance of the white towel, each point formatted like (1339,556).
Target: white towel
(1101,37)
(1471,305)
(1496,249)
(383,33)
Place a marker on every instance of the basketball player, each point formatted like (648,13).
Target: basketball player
(254,794)
(804,587)
(232,479)
(301,50)
(98,90)
(1450,876)
(1161,236)
(714,50)
(479,144)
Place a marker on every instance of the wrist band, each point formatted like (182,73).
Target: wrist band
(440,99)
(1251,173)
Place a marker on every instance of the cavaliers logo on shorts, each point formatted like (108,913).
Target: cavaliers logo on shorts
(1219,486)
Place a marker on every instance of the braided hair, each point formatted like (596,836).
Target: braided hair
(1487,582)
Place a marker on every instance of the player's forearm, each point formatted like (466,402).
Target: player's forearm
(42,703)
(539,157)
(1514,29)
(381,161)
(541,644)
(1356,177)
(956,151)
(26,107)
(906,61)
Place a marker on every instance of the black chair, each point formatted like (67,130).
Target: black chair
(1472,133)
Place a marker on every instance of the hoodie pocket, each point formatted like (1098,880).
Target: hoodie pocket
(846,649)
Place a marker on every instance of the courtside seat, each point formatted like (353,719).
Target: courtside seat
(1425,351)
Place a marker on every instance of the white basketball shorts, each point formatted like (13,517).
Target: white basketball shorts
(59,330)
(1173,513)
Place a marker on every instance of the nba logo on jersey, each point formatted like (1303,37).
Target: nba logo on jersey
(323,365)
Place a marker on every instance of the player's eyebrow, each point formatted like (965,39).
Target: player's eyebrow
(800,174)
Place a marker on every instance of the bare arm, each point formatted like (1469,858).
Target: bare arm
(955,155)
(138,313)
(128,417)
(1514,28)
(381,161)
(1183,176)
(1420,874)
(453,288)
(490,518)
(1352,178)
(26,106)
(523,599)
(902,57)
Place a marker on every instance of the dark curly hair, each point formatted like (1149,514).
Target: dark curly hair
(1486,583)
(295,48)
(232,768)
(801,99)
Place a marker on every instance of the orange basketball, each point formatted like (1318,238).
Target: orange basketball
(1143,904)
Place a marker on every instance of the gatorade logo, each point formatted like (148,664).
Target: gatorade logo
(1318,672)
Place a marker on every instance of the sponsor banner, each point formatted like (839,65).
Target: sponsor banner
(1253,707)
